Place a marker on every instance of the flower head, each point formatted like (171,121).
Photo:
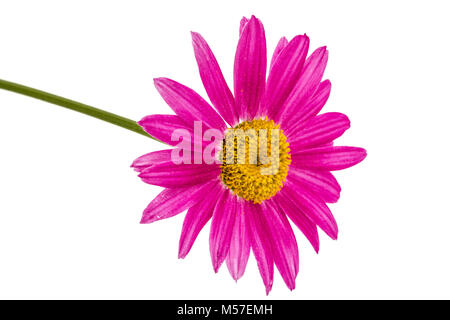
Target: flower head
(265,155)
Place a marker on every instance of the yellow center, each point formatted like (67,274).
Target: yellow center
(255,159)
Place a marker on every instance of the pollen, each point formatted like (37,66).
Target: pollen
(255,159)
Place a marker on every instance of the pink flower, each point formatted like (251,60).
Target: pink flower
(249,209)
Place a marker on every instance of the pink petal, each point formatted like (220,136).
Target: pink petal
(240,244)
(250,69)
(161,126)
(187,104)
(150,159)
(221,228)
(320,130)
(244,21)
(306,226)
(322,183)
(170,202)
(310,77)
(196,218)
(170,175)
(284,74)
(315,209)
(311,108)
(213,80)
(329,158)
(282,43)
(260,243)
(284,245)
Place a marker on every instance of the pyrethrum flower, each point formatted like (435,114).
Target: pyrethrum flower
(249,209)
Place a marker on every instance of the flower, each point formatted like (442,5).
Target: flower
(250,208)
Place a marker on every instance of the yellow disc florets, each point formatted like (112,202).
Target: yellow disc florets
(255,159)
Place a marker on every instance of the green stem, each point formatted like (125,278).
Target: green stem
(76,106)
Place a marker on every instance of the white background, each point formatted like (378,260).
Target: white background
(70,205)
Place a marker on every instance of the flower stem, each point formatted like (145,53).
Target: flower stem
(76,106)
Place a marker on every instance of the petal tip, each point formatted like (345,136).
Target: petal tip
(254,20)
(141,175)
(268,289)
(334,236)
(236,275)
(316,245)
(158,82)
(364,153)
(195,35)
(299,37)
(144,220)
(326,83)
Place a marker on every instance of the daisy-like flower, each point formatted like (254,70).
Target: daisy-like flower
(250,208)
